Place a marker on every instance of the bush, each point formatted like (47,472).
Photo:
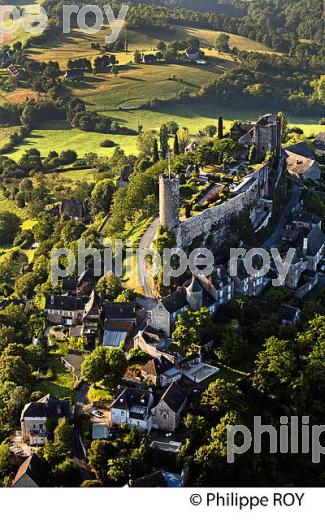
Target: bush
(108,143)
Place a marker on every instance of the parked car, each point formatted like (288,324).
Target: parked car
(97,413)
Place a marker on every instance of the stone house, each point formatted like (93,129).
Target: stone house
(313,247)
(319,143)
(64,310)
(193,296)
(247,284)
(117,332)
(73,363)
(119,311)
(160,372)
(302,168)
(73,209)
(91,316)
(154,344)
(35,415)
(167,414)
(132,406)
(219,284)
(303,219)
(31,474)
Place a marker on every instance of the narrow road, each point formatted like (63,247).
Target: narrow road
(276,235)
(78,451)
(145,243)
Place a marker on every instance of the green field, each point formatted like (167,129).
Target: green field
(77,44)
(57,136)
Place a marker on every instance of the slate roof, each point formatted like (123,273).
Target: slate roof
(300,148)
(320,139)
(316,240)
(64,303)
(48,406)
(257,263)
(92,306)
(73,208)
(120,311)
(35,468)
(157,366)
(128,398)
(174,397)
(304,216)
(6,303)
(116,331)
(69,284)
(88,276)
(287,312)
(175,301)
(75,361)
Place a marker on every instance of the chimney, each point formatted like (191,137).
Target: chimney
(219,271)
(305,246)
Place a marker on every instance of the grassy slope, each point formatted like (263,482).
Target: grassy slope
(77,44)
(194,117)
(120,97)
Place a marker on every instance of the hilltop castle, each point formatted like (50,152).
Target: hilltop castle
(253,190)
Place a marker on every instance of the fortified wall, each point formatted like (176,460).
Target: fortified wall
(201,225)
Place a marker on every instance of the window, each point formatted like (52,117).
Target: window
(164,416)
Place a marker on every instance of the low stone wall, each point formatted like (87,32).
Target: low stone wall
(201,225)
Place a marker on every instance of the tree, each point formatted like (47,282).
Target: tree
(190,329)
(172,127)
(155,153)
(72,231)
(284,126)
(109,287)
(65,474)
(5,456)
(222,43)
(137,57)
(163,137)
(101,196)
(91,484)
(220,127)
(275,368)
(146,143)
(161,46)
(232,346)
(220,397)
(209,130)
(98,454)
(119,469)
(116,365)
(9,227)
(93,368)
(14,369)
(176,145)
(63,437)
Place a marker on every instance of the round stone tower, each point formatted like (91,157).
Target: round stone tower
(169,200)
(194,295)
